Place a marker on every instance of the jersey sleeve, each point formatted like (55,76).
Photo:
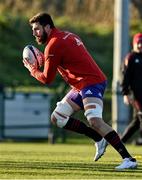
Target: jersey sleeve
(52,56)
(126,74)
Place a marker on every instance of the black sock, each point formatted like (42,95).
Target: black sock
(81,128)
(115,141)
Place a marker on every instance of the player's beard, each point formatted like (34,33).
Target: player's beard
(42,39)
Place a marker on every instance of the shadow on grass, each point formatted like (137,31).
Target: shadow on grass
(63,168)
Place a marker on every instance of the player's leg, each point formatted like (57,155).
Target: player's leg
(131,129)
(136,124)
(93,106)
(61,116)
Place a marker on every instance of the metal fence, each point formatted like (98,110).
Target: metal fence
(24,116)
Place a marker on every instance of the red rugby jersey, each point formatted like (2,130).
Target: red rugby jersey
(66,54)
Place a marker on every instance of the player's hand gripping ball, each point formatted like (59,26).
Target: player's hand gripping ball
(32,57)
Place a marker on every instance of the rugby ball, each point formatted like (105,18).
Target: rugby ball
(32,54)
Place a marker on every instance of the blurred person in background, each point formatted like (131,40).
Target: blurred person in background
(66,54)
(132,87)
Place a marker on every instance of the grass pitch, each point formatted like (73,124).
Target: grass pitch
(63,161)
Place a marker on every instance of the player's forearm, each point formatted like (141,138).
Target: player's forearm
(125,90)
(41,77)
(125,87)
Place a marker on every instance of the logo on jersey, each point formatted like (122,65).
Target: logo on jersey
(78,41)
(137,60)
(88,92)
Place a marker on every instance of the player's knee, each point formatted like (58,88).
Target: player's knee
(96,123)
(61,114)
(59,119)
